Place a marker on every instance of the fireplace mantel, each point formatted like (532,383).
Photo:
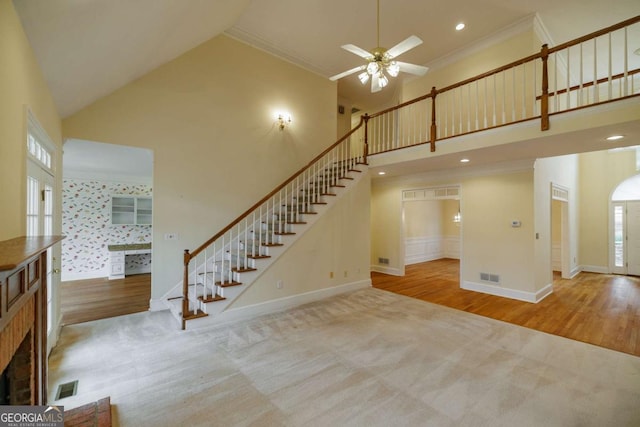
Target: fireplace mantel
(23,305)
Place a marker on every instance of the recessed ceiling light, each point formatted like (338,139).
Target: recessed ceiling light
(464,160)
(615,137)
(460,26)
(382,173)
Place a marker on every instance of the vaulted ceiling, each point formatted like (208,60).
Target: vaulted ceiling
(89,48)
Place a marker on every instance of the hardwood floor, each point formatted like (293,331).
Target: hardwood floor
(599,309)
(93,299)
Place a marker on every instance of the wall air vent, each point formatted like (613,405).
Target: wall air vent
(384,261)
(489,277)
(67,390)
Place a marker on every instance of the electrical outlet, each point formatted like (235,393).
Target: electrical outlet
(331,275)
(279,284)
(170,236)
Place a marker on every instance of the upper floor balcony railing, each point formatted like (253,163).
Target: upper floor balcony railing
(597,68)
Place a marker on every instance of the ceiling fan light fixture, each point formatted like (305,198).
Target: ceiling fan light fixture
(373,67)
(364,77)
(382,80)
(393,69)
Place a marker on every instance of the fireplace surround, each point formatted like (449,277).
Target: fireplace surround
(23,318)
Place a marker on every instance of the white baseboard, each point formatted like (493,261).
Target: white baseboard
(594,269)
(573,273)
(544,292)
(287,302)
(417,259)
(98,274)
(387,270)
(508,292)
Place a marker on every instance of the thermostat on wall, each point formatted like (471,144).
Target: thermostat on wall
(515,223)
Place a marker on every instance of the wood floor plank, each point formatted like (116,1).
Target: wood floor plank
(599,309)
(93,299)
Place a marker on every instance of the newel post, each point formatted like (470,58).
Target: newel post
(434,129)
(366,136)
(544,97)
(185,288)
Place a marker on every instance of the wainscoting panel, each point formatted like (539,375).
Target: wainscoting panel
(423,249)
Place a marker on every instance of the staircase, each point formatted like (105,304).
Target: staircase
(223,267)
(226,265)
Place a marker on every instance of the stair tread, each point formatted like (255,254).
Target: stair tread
(210,298)
(227,284)
(242,270)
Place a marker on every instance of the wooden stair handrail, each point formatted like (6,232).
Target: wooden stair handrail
(189,255)
(515,63)
(595,34)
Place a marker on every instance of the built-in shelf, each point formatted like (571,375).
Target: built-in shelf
(131,210)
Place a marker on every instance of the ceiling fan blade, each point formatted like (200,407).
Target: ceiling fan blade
(375,84)
(357,50)
(418,70)
(348,72)
(403,46)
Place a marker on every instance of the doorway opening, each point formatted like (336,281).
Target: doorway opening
(107,216)
(624,242)
(432,222)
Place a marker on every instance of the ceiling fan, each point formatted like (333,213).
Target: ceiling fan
(381,61)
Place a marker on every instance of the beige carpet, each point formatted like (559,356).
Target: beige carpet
(368,358)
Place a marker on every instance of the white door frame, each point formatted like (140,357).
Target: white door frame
(561,194)
(41,167)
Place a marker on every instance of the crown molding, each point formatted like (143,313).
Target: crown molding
(259,43)
(525,24)
(541,31)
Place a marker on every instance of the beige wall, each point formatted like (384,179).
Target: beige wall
(423,218)
(338,243)
(430,218)
(472,65)
(449,209)
(209,117)
(600,173)
(489,243)
(22,86)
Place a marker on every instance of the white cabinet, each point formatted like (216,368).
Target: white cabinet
(130,210)
(118,256)
(116,271)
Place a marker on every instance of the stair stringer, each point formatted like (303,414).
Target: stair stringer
(213,309)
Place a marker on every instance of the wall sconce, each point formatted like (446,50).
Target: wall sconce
(284,120)
(457,217)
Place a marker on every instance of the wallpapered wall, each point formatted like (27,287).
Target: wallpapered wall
(86,221)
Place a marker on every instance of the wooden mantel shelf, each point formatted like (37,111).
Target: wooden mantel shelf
(15,251)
